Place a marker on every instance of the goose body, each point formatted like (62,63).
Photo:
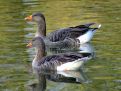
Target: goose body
(60,62)
(82,32)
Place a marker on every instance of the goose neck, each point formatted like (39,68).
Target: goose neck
(40,53)
(41,31)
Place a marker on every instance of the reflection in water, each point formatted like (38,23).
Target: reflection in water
(83,48)
(40,85)
(86,48)
(68,76)
(104,72)
(63,77)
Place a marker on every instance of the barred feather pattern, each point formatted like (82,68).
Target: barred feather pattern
(71,32)
(51,62)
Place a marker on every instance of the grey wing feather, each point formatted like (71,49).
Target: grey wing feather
(71,32)
(51,62)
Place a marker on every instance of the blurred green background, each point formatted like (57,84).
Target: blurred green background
(15,66)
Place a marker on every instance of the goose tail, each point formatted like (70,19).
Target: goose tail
(97,26)
(89,25)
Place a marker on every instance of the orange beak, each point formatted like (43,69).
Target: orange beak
(29,18)
(29,45)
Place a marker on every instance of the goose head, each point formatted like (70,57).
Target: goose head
(36,42)
(40,20)
(36,17)
(39,45)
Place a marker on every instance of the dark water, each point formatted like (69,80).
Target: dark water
(103,72)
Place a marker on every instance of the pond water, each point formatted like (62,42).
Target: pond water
(103,72)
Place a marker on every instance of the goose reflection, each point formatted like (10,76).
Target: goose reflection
(68,77)
(62,77)
(39,85)
(83,48)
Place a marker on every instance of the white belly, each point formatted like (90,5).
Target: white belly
(86,37)
(75,65)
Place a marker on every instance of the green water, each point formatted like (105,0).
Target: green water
(15,66)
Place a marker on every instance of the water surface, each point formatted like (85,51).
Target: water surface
(15,67)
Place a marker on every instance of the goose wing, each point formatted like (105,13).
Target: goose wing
(51,62)
(71,32)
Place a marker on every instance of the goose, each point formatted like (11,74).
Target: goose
(81,48)
(59,62)
(64,76)
(83,33)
